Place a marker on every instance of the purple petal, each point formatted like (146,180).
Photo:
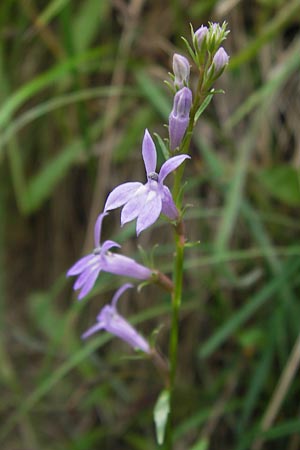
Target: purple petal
(118,326)
(119,292)
(97,229)
(121,195)
(81,265)
(150,212)
(89,284)
(81,280)
(107,245)
(92,330)
(149,153)
(122,265)
(132,209)
(170,165)
(168,205)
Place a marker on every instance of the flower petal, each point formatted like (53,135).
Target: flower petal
(168,205)
(170,165)
(81,265)
(92,330)
(97,228)
(119,292)
(108,245)
(121,195)
(84,276)
(132,208)
(121,328)
(149,153)
(89,283)
(150,211)
(122,265)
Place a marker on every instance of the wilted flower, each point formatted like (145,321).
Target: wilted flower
(146,201)
(181,69)
(110,320)
(180,116)
(89,267)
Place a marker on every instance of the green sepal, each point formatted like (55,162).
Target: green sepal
(191,244)
(190,50)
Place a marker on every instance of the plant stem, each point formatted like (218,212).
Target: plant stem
(179,255)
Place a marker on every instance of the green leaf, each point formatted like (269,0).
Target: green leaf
(283,183)
(162,146)
(204,105)
(201,445)
(161,412)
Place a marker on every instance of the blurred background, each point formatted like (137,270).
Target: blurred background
(79,83)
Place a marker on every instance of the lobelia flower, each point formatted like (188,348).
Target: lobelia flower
(89,267)
(181,69)
(180,116)
(110,320)
(145,202)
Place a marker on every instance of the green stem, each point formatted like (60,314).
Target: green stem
(201,93)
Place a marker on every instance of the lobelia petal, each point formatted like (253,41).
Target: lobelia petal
(168,205)
(150,211)
(149,153)
(93,329)
(108,245)
(89,284)
(123,265)
(132,209)
(120,292)
(170,165)
(121,195)
(125,331)
(98,227)
(81,280)
(80,265)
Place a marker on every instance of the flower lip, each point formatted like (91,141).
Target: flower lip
(153,176)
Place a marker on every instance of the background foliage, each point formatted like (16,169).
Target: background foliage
(80,81)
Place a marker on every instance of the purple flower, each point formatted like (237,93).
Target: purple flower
(146,201)
(110,320)
(181,69)
(180,116)
(89,267)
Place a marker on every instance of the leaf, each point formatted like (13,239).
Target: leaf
(204,105)
(161,412)
(283,183)
(162,146)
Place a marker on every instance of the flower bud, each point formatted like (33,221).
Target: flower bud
(179,117)
(216,34)
(219,63)
(181,69)
(199,37)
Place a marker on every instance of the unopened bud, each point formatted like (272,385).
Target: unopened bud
(216,34)
(199,37)
(179,117)
(219,63)
(181,69)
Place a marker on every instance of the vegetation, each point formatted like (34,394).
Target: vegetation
(80,82)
